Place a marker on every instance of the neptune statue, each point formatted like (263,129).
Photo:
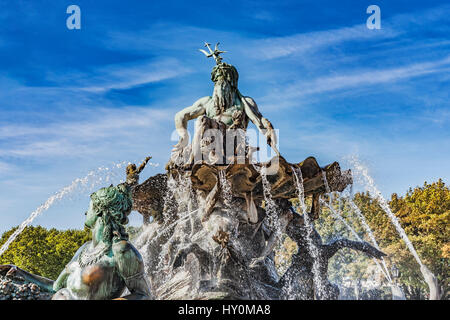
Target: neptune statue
(227,113)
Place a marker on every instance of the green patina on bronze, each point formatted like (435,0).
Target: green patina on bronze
(104,267)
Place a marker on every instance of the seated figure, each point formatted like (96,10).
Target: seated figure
(222,120)
(104,267)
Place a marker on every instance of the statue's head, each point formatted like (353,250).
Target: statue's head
(113,205)
(132,174)
(225,78)
(225,72)
(131,169)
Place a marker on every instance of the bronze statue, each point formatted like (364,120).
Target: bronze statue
(226,109)
(133,172)
(104,267)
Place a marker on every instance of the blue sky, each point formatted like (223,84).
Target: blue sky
(74,100)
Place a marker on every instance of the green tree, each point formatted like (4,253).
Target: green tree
(41,251)
(424,213)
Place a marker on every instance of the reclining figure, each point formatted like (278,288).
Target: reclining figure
(104,267)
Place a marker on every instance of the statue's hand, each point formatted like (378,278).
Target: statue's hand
(272,139)
(183,142)
(13,272)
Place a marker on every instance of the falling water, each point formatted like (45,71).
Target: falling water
(363,220)
(92,180)
(363,171)
(184,193)
(173,201)
(170,203)
(318,283)
(179,202)
(429,277)
(162,231)
(227,195)
(152,233)
(370,233)
(271,207)
(339,217)
(226,189)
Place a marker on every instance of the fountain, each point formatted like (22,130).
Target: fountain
(212,220)
(225,250)
(429,277)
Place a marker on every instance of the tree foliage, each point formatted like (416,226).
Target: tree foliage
(423,212)
(41,251)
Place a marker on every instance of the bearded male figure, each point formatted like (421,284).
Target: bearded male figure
(225,111)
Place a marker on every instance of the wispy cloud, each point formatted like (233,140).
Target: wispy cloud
(272,48)
(301,43)
(122,76)
(364,78)
(6,168)
(101,129)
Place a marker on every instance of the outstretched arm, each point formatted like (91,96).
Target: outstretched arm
(182,117)
(263,125)
(143,164)
(362,246)
(44,283)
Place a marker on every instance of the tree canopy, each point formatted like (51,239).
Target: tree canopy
(423,212)
(41,251)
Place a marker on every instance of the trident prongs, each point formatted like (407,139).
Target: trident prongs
(216,53)
(207,45)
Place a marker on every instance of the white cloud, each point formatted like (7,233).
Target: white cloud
(271,48)
(356,79)
(121,76)
(301,43)
(100,129)
(6,168)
